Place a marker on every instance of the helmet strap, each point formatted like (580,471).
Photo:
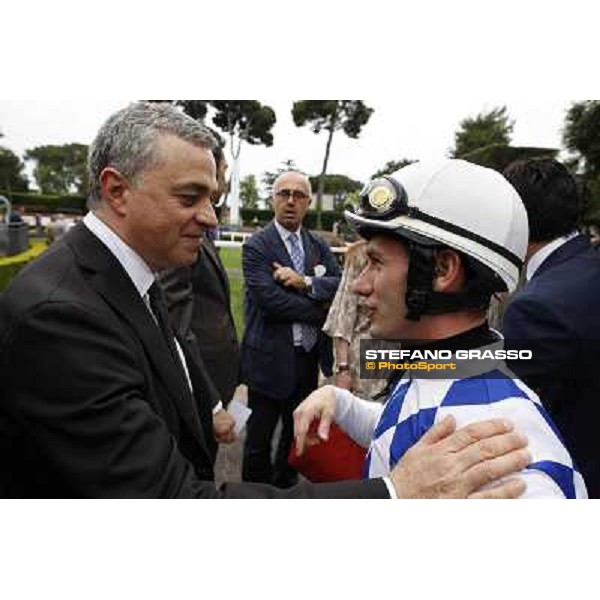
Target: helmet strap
(421,299)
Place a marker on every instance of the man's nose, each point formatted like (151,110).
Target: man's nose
(205,215)
(361,284)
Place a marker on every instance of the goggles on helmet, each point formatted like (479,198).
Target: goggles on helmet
(383,198)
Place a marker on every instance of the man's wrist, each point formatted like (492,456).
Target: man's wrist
(342,367)
(308,281)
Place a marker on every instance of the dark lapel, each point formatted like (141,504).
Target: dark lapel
(277,245)
(571,248)
(110,280)
(311,252)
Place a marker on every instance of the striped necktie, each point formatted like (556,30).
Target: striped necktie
(309,332)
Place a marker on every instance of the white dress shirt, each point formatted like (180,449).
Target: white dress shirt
(138,271)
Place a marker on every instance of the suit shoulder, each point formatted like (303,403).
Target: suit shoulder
(40,280)
(316,237)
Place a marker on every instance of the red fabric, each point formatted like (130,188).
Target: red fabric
(339,458)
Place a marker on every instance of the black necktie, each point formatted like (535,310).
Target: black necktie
(159,308)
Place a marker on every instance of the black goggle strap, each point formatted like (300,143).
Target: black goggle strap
(419,283)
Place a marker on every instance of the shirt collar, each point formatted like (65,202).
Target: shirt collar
(284,233)
(536,259)
(139,272)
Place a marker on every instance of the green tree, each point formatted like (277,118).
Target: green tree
(196,109)
(249,192)
(60,169)
(330,116)
(581,135)
(492,127)
(336,184)
(391,166)
(12,178)
(243,120)
(499,156)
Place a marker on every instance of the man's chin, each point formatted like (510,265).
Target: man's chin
(185,259)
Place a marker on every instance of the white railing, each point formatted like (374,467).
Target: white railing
(234,236)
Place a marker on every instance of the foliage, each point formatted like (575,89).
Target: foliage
(48,203)
(11,171)
(498,156)
(331,116)
(249,192)
(60,169)
(581,135)
(243,120)
(247,120)
(260,217)
(236,287)
(232,261)
(336,184)
(196,109)
(391,166)
(492,127)
(11,265)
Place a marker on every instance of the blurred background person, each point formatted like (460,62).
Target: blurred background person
(56,228)
(198,300)
(348,322)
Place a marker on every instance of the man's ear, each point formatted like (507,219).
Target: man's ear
(115,190)
(449,274)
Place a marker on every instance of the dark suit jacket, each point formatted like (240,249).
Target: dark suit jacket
(198,299)
(557,314)
(268,363)
(92,403)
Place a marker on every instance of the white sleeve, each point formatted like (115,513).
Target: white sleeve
(357,417)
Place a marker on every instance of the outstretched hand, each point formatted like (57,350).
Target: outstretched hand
(320,406)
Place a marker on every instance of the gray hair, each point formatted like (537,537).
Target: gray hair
(127,139)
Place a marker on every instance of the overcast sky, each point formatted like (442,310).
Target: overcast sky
(400,127)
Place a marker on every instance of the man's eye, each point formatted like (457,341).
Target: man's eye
(187,200)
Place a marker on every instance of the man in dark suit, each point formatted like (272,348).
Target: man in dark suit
(198,300)
(556,313)
(290,276)
(97,398)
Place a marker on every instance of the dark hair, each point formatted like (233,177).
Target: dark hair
(217,150)
(549,193)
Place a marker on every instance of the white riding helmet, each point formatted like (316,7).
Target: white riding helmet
(450,203)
